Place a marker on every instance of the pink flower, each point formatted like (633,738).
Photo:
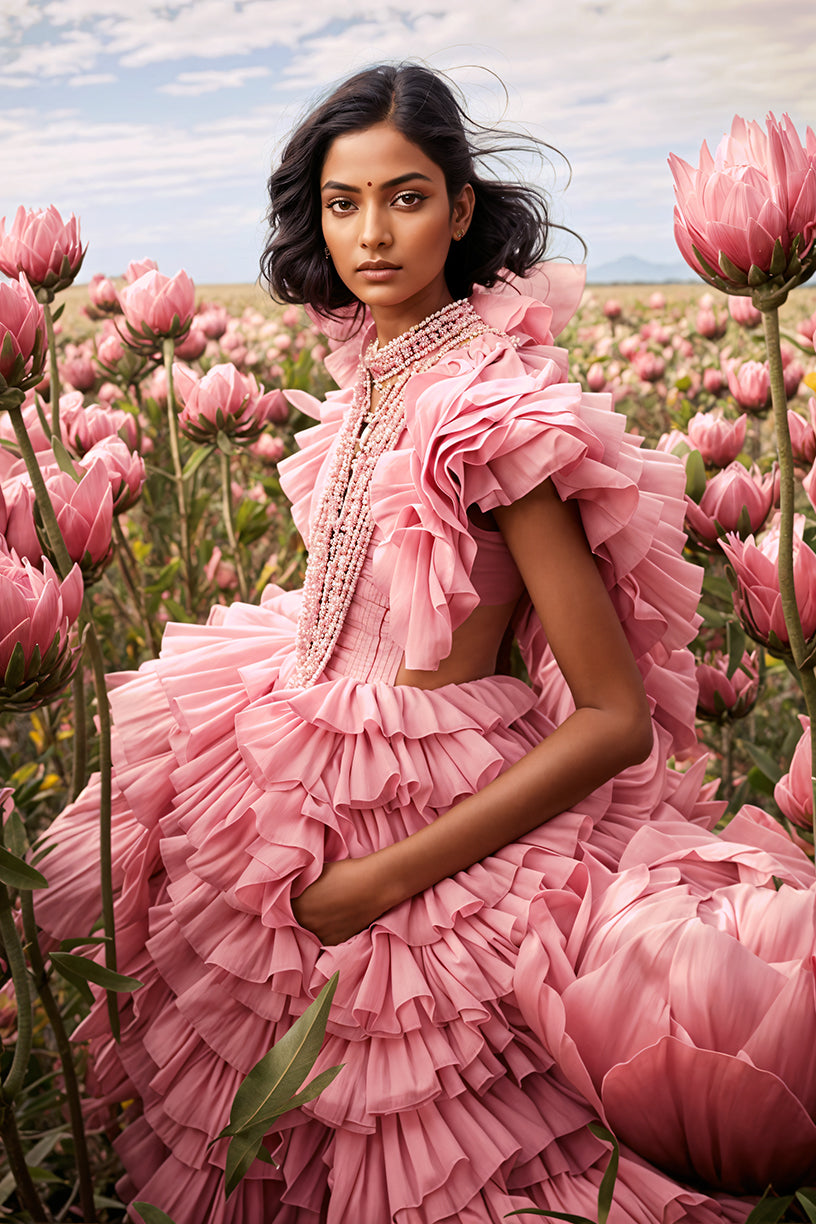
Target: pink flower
(156,307)
(752,205)
(138,267)
(84,510)
(710,325)
(22,335)
(743,311)
(125,468)
(220,573)
(794,791)
(807,327)
(688,1020)
(213,321)
(43,246)
(757,600)
(657,301)
(734,501)
(79,372)
(19,529)
(612,308)
(792,373)
(224,401)
(803,435)
(267,448)
(110,350)
(718,439)
(191,346)
(87,426)
(595,377)
(648,366)
(721,697)
(713,381)
(103,294)
(750,384)
(36,613)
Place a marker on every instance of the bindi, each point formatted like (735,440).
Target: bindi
(369,184)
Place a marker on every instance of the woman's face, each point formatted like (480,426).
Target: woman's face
(388,224)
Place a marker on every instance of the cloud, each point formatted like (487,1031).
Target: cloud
(93,78)
(194,83)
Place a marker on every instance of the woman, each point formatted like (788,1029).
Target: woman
(344,780)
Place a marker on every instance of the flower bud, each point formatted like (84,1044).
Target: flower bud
(44,247)
(22,336)
(722,698)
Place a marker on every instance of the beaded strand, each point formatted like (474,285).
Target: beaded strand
(342,525)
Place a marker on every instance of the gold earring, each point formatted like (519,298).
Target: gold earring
(459,235)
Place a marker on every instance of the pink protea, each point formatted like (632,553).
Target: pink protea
(93,423)
(710,324)
(138,267)
(19,529)
(157,307)
(803,435)
(78,371)
(43,246)
(36,613)
(750,384)
(735,501)
(612,308)
(718,439)
(751,209)
(268,448)
(721,697)
(224,401)
(794,791)
(648,365)
(743,311)
(191,346)
(125,468)
(22,335)
(104,294)
(713,380)
(792,373)
(84,508)
(212,320)
(757,601)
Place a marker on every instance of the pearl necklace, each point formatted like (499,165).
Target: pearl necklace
(342,525)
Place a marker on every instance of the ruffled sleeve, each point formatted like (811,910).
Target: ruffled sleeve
(485,426)
(303,474)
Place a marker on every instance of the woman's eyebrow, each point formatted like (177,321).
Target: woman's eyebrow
(333,185)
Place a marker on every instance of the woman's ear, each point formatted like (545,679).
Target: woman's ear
(462,211)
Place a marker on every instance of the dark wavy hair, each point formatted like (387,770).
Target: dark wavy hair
(510,225)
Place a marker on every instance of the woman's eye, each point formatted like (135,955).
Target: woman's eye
(340,205)
(409,198)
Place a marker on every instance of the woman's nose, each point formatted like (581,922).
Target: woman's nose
(374,228)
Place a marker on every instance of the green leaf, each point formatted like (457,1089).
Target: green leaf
(313,1089)
(165,578)
(607,1186)
(64,460)
(735,643)
(56,314)
(695,475)
(284,1068)
(224,444)
(807,1199)
(15,670)
(151,1214)
(81,941)
(731,270)
(763,761)
(72,967)
(17,873)
(769,1210)
(195,461)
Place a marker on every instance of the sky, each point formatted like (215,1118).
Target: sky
(157,123)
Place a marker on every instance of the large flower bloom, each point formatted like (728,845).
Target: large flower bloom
(794,791)
(722,697)
(43,246)
(757,600)
(688,1018)
(748,214)
(734,500)
(36,613)
(224,401)
(84,510)
(156,307)
(22,335)
(718,439)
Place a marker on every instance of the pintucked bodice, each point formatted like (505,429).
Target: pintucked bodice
(365,648)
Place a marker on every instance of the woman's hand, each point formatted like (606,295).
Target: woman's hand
(343,901)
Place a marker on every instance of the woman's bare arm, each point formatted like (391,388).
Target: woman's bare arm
(609,730)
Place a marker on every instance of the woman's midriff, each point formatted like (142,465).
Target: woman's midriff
(474,650)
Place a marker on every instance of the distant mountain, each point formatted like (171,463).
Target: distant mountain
(632,270)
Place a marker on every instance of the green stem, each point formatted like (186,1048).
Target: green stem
(105,849)
(44,504)
(79,773)
(63,1044)
(229,523)
(727,761)
(15,958)
(168,350)
(787,588)
(26,1190)
(126,559)
(53,370)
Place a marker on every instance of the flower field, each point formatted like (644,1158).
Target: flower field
(141,426)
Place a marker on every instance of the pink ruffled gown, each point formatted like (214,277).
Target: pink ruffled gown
(620,962)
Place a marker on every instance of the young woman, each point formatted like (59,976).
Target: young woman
(347,779)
